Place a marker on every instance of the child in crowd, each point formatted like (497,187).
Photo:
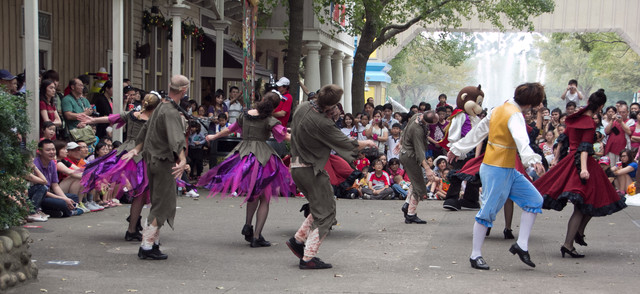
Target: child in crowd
(362,161)
(605,165)
(196,142)
(364,182)
(547,145)
(379,184)
(48,131)
(401,182)
(223,122)
(598,146)
(394,140)
(559,131)
(443,187)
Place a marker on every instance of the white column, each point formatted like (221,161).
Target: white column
(32,67)
(347,65)
(312,66)
(336,66)
(220,26)
(325,66)
(118,60)
(176,12)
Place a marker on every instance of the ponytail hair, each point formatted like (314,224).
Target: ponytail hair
(267,104)
(150,102)
(597,99)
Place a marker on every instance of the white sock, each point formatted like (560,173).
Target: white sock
(526,224)
(479,232)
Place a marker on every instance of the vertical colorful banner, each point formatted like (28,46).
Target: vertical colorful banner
(249,24)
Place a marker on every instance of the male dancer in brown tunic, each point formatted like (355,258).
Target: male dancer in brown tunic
(412,157)
(162,143)
(313,137)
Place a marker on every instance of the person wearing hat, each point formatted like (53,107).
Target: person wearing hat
(313,137)
(162,145)
(8,81)
(283,111)
(604,163)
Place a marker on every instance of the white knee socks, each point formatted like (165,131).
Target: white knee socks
(479,232)
(526,224)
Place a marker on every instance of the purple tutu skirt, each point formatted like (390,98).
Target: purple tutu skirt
(109,169)
(245,176)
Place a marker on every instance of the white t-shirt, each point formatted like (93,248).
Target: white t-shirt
(572,97)
(391,144)
(234,110)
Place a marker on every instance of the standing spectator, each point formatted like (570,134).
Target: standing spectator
(362,125)
(388,120)
(283,111)
(442,101)
(235,105)
(547,145)
(196,142)
(394,140)
(56,203)
(378,133)
(48,111)
(218,107)
(104,102)
(368,109)
(424,106)
(348,127)
(555,119)
(617,131)
(572,94)
(74,104)
(436,133)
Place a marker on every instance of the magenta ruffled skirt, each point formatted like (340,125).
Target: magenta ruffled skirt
(246,176)
(111,170)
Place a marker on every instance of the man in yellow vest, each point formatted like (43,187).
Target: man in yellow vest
(507,133)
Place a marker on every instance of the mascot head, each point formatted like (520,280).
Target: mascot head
(470,100)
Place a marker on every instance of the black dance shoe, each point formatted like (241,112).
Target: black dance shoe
(524,255)
(413,219)
(247,231)
(297,249)
(508,234)
(260,242)
(314,263)
(452,204)
(479,263)
(154,253)
(473,205)
(573,253)
(405,209)
(138,224)
(580,239)
(488,232)
(133,236)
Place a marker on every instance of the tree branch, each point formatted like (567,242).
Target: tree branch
(393,29)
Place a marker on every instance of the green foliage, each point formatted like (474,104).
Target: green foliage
(428,66)
(596,60)
(13,160)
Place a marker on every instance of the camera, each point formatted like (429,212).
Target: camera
(547,117)
(618,116)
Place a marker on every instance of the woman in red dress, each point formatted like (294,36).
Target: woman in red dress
(578,178)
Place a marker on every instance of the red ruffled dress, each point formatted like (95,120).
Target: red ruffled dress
(562,183)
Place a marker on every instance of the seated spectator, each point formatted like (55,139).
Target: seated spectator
(626,172)
(102,149)
(379,184)
(361,161)
(364,181)
(55,203)
(37,191)
(48,131)
(440,191)
(547,145)
(69,174)
(74,104)
(399,179)
(606,166)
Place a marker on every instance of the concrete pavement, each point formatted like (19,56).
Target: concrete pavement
(371,249)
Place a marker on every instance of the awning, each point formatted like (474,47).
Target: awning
(236,53)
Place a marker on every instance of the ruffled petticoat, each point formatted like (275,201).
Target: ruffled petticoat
(109,169)
(245,176)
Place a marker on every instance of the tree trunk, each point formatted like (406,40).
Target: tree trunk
(294,53)
(365,48)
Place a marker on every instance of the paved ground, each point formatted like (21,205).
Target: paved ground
(371,249)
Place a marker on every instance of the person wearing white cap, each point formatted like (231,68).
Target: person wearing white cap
(283,111)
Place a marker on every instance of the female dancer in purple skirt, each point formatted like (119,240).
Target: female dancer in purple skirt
(129,176)
(253,169)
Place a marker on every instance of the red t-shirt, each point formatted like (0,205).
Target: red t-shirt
(51,113)
(286,106)
(379,182)
(361,163)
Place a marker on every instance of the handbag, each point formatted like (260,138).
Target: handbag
(86,134)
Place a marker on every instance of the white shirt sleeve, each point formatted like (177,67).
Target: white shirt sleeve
(517,127)
(455,130)
(473,138)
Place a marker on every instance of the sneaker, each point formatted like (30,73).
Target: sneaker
(100,207)
(36,217)
(366,196)
(84,208)
(93,207)
(314,263)
(77,211)
(192,194)
(43,214)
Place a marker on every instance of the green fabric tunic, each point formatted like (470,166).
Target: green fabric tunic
(164,138)
(413,153)
(313,136)
(255,133)
(134,125)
